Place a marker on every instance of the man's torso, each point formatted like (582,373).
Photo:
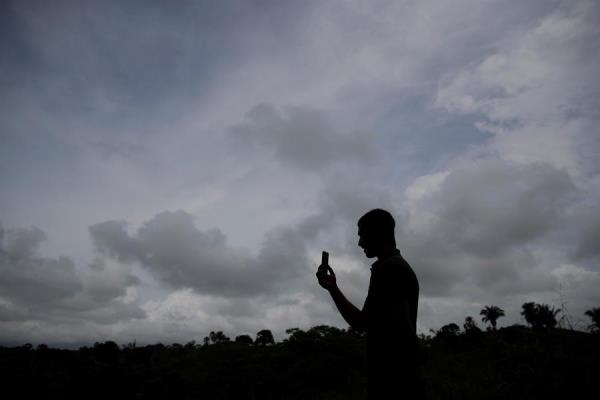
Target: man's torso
(392,346)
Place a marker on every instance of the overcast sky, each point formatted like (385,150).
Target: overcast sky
(172,168)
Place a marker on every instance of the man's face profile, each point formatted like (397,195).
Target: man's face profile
(366,241)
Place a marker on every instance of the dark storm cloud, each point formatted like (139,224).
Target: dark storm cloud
(132,56)
(491,206)
(300,136)
(587,225)
(478,227)
(34,280)
(111,238)
(40,288)
(175,251)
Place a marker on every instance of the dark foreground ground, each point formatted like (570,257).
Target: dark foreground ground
(322,363)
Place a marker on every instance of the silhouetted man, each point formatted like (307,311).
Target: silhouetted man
(389,315)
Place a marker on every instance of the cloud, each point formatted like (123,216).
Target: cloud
(476,225)
(35,280)
(176,252)
(536,92)
(579,286)
(210,285)
(186,314)
(36,288)
(300,136)
(585,222)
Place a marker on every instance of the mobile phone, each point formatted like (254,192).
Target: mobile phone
(324,258)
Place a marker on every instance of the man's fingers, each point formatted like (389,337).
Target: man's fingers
(324,271)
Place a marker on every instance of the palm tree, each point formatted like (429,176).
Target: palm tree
(547,315)
(540,316)
(594,314)
(491,314)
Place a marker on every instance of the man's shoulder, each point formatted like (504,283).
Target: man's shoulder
(396,268)
(395,263)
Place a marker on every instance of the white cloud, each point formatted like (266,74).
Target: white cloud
(536,92)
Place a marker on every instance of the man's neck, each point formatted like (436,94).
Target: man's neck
(386,253)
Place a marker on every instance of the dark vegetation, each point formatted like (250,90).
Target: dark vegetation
(515,362)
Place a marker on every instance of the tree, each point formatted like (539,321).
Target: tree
(448,330)
(264,338)
(323,331)
(293,331)
(539,316)
(529,312)
(296,334)
(356,333)
(107,351)
(491,315)
(176,347)
(218,337)
(130,345)
(547,316)
(470,325)
(594,314)
(244,339)
(191,345)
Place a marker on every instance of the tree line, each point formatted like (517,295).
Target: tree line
(322,362)
(539,317)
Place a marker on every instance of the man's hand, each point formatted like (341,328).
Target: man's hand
(326,277)
(353,316)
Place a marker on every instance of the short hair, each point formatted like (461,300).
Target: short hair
(379,222)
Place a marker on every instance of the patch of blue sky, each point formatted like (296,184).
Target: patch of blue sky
(417,139)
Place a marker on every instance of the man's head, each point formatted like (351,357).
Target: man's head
(376,232)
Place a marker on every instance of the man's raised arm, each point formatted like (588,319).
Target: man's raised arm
(353,316)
